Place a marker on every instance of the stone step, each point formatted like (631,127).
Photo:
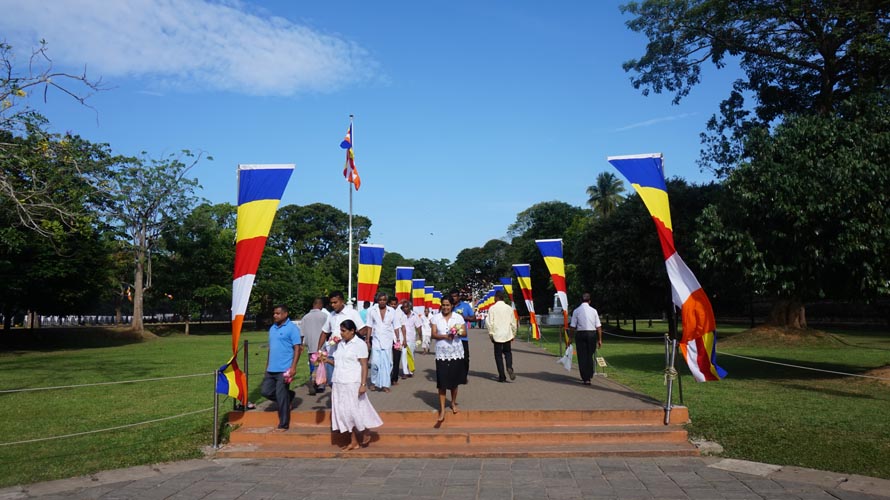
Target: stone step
(449,434)
(464,451)
(516,418)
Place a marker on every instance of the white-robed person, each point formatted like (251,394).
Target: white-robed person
(412,325)
(426,330)
(330,332)
(382,322)
(351,410)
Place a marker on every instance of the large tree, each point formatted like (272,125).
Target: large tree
(151,195)
(809,216)
(798,56)
(196,261)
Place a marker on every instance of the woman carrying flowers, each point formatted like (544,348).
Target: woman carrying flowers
(351,410)
(448,329)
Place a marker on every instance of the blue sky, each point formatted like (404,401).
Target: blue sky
(466,112)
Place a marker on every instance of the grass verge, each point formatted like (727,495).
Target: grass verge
(770,413)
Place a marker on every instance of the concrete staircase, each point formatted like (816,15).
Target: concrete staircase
(471,433)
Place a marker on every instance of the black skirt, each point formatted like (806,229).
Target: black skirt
(450,373)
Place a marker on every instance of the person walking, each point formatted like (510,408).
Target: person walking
(425,330)
(383,323)
(448,328)
(465,310)
(502,330)
(311,325)
(285,347)
(331,329)
(585,320)
(351,410)
(411,328)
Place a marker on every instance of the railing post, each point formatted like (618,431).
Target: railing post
(215,412)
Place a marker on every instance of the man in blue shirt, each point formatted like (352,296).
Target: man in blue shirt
(285,347)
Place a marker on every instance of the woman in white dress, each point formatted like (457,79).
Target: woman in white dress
(447,330)
(351,411)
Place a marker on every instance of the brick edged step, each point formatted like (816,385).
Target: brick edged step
(475,433)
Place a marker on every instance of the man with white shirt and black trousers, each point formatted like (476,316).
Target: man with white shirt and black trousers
(585,322)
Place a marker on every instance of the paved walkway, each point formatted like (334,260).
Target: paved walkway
(540,384)
(418,479)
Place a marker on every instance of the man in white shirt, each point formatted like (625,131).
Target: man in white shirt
(331,328)
(502,330)
(585,320)
(383,323)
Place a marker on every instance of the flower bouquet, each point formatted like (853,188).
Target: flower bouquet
(397,345)
(455,331)
(333,342)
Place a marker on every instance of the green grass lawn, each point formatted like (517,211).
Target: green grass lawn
(774,414)
(760,412)
(33,415)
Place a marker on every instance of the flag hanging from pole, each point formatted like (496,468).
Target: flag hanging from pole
(403,283)
(370,263)
(418,294)
(508,287)
(437,300)
(350,172)
(699,342)
(551,250)
(524,277)
(260,188)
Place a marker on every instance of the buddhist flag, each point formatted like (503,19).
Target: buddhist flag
(259,191)
(403,283)
(231,381)
(350,171)
(418,287)
(370,263)
(507,283)
(428,296)
(437,300)
(551,250)
(524,276)
(699,341)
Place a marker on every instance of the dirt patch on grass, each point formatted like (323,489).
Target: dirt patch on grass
(882,371)
(772,336)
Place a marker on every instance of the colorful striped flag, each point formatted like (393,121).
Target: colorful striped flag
(350,171)
(508,287)
(370,263)
(551,250)
(403,283)
(428,296)
(231,381)
(699,342)
(437,300)
(524,276)
(418,287)
(259,191)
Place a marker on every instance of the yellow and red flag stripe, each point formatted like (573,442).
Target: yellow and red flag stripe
(524,277)
(699,341)
(428,296)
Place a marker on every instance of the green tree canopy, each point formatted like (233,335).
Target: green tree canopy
(798,56)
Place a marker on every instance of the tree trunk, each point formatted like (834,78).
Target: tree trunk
(137,324)
(788,313)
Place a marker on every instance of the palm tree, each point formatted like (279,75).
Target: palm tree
(605,195)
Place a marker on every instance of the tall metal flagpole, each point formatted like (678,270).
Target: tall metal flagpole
(349,186)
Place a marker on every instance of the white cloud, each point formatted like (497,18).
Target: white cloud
(654,121)
(192,44)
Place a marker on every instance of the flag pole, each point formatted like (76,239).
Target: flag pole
(349,186)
